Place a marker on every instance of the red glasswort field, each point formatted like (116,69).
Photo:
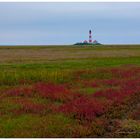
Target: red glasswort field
(115,95)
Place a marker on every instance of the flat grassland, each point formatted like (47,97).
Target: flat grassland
(70,91)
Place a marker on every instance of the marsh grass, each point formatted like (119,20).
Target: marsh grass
(58,71)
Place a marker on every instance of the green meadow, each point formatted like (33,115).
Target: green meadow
(38,64)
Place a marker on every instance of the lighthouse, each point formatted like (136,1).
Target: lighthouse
(90,36)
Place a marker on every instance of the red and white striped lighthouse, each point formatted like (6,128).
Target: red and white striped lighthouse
(90,36)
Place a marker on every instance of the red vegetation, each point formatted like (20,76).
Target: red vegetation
(112,98)
(123,84)
(54,92)
(85,108)
(20,91)
(125,72)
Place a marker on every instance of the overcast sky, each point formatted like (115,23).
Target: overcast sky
(67,23)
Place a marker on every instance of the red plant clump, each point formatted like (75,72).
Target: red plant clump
(111,82)
(53,91)
(91,83)
(132,84)
(114,95)
(126,89)
(104,82)
(20,91)
(85,108)
(125,73)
